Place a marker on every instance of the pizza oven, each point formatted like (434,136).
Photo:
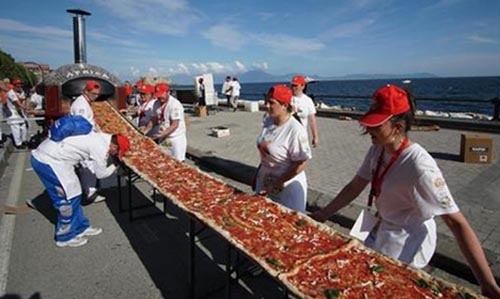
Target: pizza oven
(68,81)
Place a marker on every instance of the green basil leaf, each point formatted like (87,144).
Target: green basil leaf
(332,293)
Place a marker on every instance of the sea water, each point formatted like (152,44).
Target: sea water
(434,94)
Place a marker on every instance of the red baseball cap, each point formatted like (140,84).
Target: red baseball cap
(389,101)
(139,83)
(161,89)
(92,85)
(299,80)
(146,88)
(123,145)
(280,93)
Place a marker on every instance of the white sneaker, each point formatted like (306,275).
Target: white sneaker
(95,198)
(31,204)
(75,242)
(90,231)
(99,198)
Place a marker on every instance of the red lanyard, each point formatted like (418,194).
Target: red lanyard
(162,112)
(376,178)
(87,98)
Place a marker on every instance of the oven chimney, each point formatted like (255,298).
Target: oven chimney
(79,40)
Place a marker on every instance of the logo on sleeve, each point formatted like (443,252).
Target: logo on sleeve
(439,183)
(445,201)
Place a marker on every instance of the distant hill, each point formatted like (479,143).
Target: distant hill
(261,76)
(385,76)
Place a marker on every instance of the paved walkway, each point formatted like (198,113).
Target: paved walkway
(474,186)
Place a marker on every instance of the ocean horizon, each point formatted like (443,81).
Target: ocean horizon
(450,94)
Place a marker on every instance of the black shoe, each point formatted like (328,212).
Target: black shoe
(1,144)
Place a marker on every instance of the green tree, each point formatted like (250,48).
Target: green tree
(9,68)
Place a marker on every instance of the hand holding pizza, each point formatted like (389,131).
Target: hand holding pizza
(272,185)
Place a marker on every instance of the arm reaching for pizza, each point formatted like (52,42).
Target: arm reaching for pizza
(167,131)
(346,195)
(278,183)
(473,252)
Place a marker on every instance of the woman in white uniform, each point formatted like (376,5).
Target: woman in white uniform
(284,151)
(54,164)
(408,190)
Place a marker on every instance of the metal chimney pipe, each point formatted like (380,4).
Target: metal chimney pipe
(79,38)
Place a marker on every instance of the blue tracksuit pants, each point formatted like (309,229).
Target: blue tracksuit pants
(70,218)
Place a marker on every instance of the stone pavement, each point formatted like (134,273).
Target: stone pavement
(475,187)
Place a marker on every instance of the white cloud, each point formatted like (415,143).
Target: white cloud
(15,26)
(287,44)
(483,40)
(172,17)
(240,67)
(260,66)
(264,16)
(196,68)
(216,67)
(135,71)
(200,68)
(225,36)
(349,29)
(180,69)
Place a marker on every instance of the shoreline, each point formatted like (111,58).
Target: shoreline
(421,119)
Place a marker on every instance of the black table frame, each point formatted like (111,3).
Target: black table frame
(231,268)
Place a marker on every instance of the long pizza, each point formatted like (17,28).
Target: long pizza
(311,259)
(355,271)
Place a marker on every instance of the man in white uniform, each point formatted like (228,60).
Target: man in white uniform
(235,88)
(226,89)
(170,116)
(36,100)
(54,163)
(304,107)
(81,106)
(14,113)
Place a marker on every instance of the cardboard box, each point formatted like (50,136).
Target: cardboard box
(220,132)
(476,148)
(200,111)
(252,106)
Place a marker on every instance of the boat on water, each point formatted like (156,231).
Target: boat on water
(310,79)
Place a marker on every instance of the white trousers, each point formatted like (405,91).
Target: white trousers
(234,101)
(19,132)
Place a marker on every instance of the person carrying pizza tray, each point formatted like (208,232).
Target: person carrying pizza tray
(408,190)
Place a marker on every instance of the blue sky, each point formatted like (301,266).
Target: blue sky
(325,37)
